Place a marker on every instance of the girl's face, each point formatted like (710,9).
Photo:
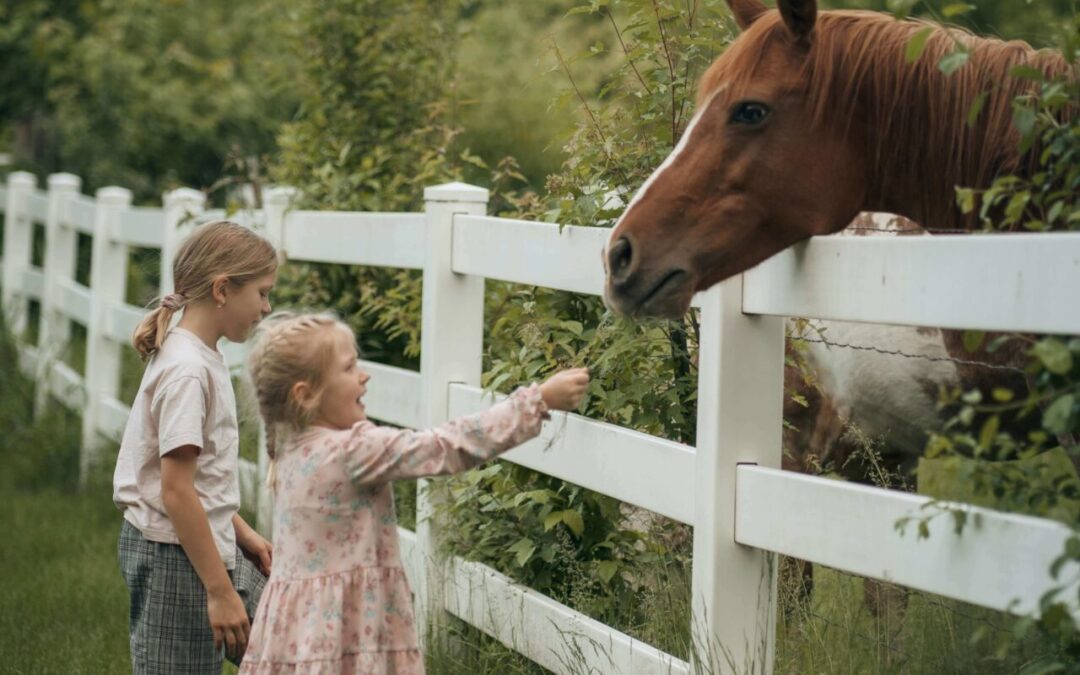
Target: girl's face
(245,305)
(344,385)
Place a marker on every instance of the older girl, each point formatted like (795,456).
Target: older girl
(184,549)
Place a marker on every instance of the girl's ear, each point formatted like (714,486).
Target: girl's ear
(218,289)
(301,393)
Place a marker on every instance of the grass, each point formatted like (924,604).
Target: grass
(837,633)
(63,604)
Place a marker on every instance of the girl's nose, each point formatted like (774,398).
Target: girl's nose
(364,377)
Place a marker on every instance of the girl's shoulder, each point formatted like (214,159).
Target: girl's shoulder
(317,437)
(185,354)
(169,366)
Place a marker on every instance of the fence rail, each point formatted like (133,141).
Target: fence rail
(1004,282)
(728,486)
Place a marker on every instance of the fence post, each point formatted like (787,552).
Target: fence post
(276,202)
(451,348)
(61,244)
(740,401)
(18,243)
(108,283)
(181,207)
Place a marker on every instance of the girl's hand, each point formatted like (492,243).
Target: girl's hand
(228,620)
(565,389)
(256,549)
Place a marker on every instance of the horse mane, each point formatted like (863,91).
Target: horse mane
(855,64)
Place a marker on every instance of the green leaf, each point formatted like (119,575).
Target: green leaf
(574,521)
(1054,212)
(997,343)
(952,62)
(1023,119)
(606,569)
(973,339)
(523,549)
(553,519)
(1026,72)
(956,9)
(1002,394)
(917,44)
(1056,418)
(976,108)
(988,432)
(959,520)
(1043,666)
(965,199)
(1054,354)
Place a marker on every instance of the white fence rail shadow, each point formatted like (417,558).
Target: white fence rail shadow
(728,486)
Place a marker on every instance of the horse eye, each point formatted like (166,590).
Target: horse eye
(749,113)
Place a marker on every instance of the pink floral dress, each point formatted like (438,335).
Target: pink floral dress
(337,600)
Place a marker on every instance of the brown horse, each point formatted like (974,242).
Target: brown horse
(805,120)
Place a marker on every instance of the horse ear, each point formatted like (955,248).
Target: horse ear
(746,12)
(799,16)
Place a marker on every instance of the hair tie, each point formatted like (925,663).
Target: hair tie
(173,301)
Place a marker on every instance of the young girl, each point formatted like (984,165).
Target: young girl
(176,476)
(337,600)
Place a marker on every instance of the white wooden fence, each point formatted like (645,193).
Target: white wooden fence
(729,487)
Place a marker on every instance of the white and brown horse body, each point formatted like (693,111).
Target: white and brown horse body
(875,381)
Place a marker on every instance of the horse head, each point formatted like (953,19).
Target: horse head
(751,174)
(805,120)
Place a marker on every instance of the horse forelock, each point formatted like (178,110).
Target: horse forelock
(854,66)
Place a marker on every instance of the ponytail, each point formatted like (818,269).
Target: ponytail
(151,331)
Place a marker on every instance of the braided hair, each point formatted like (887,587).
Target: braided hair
(290,348)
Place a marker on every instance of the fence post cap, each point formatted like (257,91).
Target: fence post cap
(113,195)
(22,179)
(183,195)
(456,192)
(64,180)
(280,194)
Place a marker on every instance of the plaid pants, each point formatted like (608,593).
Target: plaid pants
(169,626)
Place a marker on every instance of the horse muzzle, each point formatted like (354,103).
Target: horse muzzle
(666,295)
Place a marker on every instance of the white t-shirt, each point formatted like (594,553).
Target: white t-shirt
(186,398)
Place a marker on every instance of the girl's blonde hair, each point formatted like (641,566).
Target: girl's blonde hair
(217,248)
(290,348)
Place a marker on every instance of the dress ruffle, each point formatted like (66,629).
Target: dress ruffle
(358,621)
(381,663)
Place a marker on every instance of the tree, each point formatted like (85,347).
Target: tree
(144,94)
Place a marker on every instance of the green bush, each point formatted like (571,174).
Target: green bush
(982,424)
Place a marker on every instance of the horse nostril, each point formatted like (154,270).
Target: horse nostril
(620,258)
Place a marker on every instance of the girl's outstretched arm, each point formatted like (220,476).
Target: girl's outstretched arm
(379,454)
(376,454)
